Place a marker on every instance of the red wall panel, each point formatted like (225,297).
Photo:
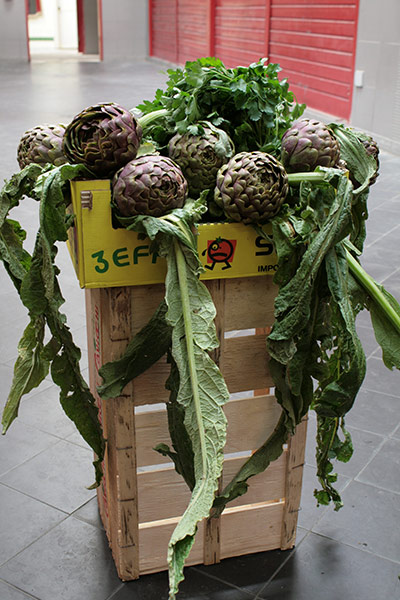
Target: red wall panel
(240,31)
(313,40)
(163,29)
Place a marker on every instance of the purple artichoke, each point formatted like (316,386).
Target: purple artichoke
(104,137)
(251,187)
(308,144)
(201,156)
(42,145)
(149,185)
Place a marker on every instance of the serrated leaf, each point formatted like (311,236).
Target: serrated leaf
(30,369)
(147,346)
(386,334)
(202,393)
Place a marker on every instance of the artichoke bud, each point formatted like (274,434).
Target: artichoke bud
(149,185)
(103,137)
(251,187)
(200,155)
(371,148)
(42,145)
(308,144)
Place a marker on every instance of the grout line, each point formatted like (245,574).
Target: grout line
(219,579)
(34,541)
(382,236)
(37,499)
(13,587)
(278,569)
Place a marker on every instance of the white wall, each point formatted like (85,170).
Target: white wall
(376,104)
(125,29)
(13,42)
(57,22)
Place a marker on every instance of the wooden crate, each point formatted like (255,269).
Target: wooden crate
(142,498)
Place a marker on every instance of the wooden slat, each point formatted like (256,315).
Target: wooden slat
(154,538)
(164,494)
(244,363)
(149,387)
(250,528)
(293,483)
(250,422)
(244,530)
(249,302)
(145,299)
(266,487)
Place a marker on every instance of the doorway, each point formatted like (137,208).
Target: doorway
(64,28)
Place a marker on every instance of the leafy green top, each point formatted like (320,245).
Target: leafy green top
(250,103)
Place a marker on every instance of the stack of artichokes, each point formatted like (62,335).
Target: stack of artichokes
(248,187)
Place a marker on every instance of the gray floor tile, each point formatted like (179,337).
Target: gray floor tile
(384,469)
(42,410)
(366,520)
(71,562)
(368,341)
(365,446)
(380,379)
(58,476)
(321,569)
(8,592)
(11,333)
(376,412)
(22,521)
(196,586)
(89,513)
(6,375)
(20,444)
(310,512)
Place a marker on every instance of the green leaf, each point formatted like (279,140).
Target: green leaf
(147,346)
(386,334)
(30,369)
(292,305)
(202,393)
(183,459)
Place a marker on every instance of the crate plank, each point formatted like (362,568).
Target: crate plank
(267,486)
(244,363)
(250,422)
(164,494)
(293,483)
(153,540)
(249,302)
(144,301)
(250,528)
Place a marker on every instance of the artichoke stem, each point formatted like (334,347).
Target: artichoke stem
(373,290)
(314,176)
(152,116)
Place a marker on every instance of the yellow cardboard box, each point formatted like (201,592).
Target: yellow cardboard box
(104,256)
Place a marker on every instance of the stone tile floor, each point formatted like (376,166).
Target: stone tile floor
(52,542)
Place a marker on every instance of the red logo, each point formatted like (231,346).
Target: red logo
(220,251)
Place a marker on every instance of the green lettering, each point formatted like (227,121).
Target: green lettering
(120,257)
(102,265)
(154,258)
(137,253)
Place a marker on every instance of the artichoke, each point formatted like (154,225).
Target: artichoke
(372,149)
(149,185)
(201,156)
(42,145)
(251,187)
(104,137)
(308,144)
